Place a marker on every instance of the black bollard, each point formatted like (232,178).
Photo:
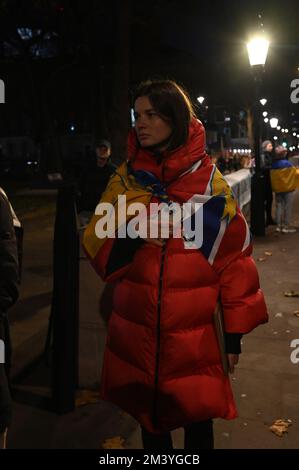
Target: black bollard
(65,303)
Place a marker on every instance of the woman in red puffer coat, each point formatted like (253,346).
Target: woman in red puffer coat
(162,360)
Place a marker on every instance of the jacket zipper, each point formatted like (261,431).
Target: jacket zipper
(155,404)
(155,407)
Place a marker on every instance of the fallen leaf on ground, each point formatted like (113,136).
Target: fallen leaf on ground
(261,259)
(86,397)
(116,442)
(280,426)
(278,315)
(291,293)
(268,253)
(296,313)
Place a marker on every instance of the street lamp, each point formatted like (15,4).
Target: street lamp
(200,99)
(202,110)
(273,122)
(257,53)
(263,101)
(266,120)
(265,114)
(258,50)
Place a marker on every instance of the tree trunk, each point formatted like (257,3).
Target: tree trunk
(119,116)
(99,121)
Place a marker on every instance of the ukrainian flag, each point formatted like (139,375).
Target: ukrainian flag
(284,176)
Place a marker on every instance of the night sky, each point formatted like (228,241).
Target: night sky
(201,44)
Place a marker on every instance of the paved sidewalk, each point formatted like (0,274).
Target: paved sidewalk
(266,383)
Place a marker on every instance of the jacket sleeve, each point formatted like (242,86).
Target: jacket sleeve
(243,302)
(9,270)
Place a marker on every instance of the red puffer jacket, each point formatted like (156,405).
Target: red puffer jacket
(162,361)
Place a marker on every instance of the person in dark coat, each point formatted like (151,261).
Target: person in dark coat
(95,178)
(9,289)
(267,157)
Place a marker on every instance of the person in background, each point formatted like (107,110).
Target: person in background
(9,291)
(94,180)
(266,162)
(284,180)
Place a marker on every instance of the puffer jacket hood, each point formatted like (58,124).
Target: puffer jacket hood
(174,162)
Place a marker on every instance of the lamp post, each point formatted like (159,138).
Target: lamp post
(257,53)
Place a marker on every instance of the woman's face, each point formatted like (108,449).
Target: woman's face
(151,129)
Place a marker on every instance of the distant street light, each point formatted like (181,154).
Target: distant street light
(266,120)
(200,99)
(257,50)
(278,128)
(265,114)
(275,137)
(273,122)
(294,134)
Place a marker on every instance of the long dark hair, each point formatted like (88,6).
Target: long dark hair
(173,105)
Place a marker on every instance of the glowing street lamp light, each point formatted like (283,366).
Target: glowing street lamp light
(266,120)
(200,99)
(294,134)
(265,114)
(273,122)
(263,101)
(258,50)
(278,128)
(275,137)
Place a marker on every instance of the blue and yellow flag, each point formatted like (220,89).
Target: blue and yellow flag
(284,176)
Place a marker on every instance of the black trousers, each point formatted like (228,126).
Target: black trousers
(198,436)
(268,196)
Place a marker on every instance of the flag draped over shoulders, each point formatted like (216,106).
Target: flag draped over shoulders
(225,231)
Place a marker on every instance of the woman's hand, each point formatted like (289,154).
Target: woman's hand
(159,241)
(233,360)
